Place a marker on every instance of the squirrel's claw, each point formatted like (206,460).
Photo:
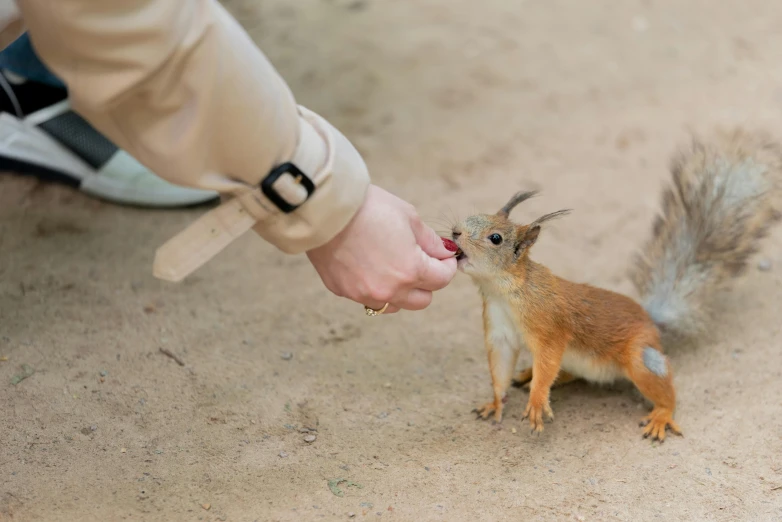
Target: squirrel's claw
(487,409)
(536,414)
(657,423)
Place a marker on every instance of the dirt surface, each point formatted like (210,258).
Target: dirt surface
(455,104)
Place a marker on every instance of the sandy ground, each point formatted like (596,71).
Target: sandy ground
(455,104)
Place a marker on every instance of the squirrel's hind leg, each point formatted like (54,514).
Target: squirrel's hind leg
(524,379)
(650,371)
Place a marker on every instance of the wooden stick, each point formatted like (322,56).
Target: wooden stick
(171,354)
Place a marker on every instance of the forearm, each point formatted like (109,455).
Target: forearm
(180,86)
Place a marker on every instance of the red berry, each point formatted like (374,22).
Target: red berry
(449,245)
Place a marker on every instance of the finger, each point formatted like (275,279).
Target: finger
(435,274)
(429,241)
(415,299)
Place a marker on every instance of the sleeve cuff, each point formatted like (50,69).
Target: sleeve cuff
(321,153)
(341,180)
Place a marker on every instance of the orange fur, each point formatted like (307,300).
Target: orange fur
(604,326)
(724,205)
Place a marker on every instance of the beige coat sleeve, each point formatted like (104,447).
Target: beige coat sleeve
(180,86)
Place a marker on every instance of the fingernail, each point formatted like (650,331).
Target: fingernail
(449,245)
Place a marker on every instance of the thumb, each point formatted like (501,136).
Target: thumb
(429,241)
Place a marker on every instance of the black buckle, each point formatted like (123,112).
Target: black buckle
(302,179)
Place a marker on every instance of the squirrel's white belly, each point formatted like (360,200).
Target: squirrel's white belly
(581,365)
(502,329)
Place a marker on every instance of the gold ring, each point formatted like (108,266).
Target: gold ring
(372,312)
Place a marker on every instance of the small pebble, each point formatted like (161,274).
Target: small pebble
(382,415)
(103,373)
(287,356)
(123,450)
(310,438)
(93,428)
(206,506)
(387,385)
(513,430)
(351,515)
(764,265)
(283,455)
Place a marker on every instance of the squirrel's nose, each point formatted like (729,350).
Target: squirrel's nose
(456,234)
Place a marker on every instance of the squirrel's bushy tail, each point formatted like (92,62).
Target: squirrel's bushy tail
(724,196)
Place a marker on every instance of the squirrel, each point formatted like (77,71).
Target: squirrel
(721,202)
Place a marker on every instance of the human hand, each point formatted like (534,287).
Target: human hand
(386,254)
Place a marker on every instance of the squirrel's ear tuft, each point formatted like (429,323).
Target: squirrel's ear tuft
(517,198)
(549,217)
(532,231)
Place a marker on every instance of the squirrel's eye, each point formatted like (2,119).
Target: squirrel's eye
(495,238)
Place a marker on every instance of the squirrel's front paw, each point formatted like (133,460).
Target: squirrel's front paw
(535,412)
(489,408)
(657,422)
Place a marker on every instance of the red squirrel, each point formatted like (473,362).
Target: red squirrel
(722,200)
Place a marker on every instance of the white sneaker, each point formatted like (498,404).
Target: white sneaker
(42,136)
